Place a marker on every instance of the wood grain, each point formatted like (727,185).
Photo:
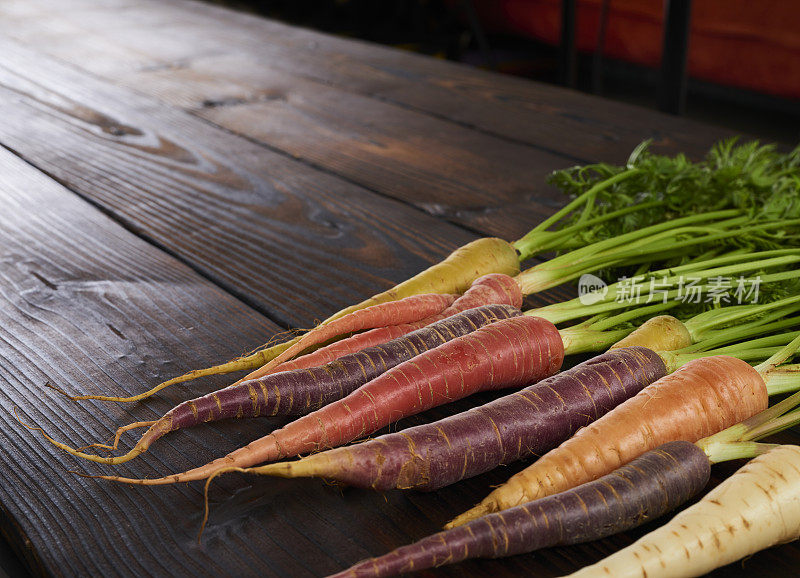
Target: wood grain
(292,241)
(182,44)
(331,103)
(491,185)
(487,184)
(89,307)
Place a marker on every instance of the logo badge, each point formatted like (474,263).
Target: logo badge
(591,289)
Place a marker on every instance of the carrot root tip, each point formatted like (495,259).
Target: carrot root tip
(57,389)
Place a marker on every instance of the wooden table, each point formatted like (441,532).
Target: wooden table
(179,183)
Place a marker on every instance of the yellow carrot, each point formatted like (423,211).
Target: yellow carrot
(662,333)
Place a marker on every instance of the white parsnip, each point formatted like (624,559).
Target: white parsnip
(757,507)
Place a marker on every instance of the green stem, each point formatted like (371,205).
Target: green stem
(581,340)
(669,240)
(780,357)
(779,424)
(768,422)
(580,200)
(612,301)
(624,251)
(665,282)
(720,337)
(772,342)
(724,219)
(604,323)
(728,258)
(783,379)
(718,452)
(675,360)
(537,242)
(599,254)
(752,350)
(702,324)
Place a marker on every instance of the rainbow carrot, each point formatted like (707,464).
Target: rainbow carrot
(507,353)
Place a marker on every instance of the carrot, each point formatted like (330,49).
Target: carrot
(662,333)
(453,275)
(301,391)
(757,507)
(537,418)
(402,312)
(649,486)
(528,422)
(508,353)
(701,398)
(494,288)
(244,400)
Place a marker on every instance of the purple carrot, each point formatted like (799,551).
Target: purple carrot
(528,422)
(301,391)
(649,486)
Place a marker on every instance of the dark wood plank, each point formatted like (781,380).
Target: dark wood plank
(491,185)
(88,306)
(296,243)
(184,48)
(488,184)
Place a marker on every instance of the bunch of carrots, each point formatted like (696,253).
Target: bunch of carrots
(457,328)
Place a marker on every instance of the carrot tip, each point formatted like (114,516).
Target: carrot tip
(83,474)
(105,447)
(55,388)
(273,341)
(23,424)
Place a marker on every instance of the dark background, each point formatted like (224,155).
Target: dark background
(443,30)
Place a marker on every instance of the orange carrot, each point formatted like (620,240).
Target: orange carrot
(701,398)
(507,353)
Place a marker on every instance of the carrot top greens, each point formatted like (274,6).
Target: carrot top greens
(756,178)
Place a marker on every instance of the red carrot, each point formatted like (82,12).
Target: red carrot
(489,289)
(304,390)
(649,486)
(503,354)
(495,288)
(404,311)
(524,423)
